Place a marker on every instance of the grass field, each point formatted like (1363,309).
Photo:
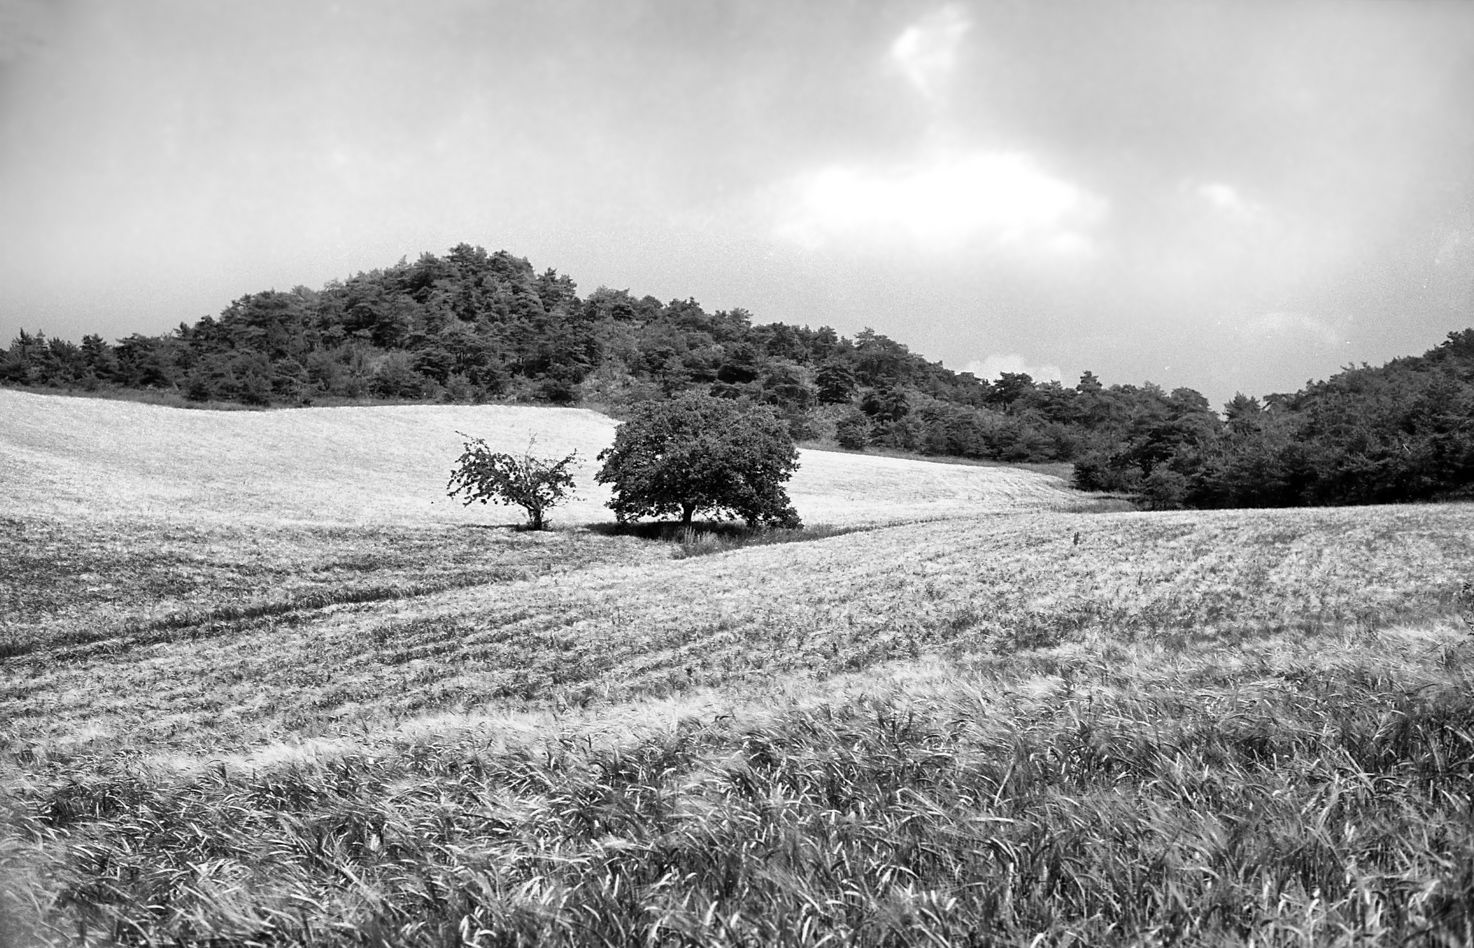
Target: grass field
(260,685)
(379,466)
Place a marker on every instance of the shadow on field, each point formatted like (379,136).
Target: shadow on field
(673,531)
(718,536)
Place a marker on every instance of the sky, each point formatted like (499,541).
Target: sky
(1229,195)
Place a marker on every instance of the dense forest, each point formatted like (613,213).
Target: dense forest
(473,326)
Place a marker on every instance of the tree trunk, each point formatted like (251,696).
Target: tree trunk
(686,511)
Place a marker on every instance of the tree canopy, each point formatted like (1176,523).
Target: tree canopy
(1399,432)
(473,326)
(697,453)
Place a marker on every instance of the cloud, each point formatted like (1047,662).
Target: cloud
(1227,199)
(949,197)
(995,365)
(926,51)
(1289,327)
(946,202)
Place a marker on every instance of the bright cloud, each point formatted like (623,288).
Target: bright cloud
(926,51)
(951,201)
(948,198)
(995,365)
(1228,200)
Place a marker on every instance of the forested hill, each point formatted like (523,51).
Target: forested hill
(478,326)
(1402,431)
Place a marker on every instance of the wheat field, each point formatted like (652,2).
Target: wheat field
(389,465)
(262,685)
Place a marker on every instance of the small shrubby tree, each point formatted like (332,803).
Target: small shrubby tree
(535,484)
(852,431)
(696,453)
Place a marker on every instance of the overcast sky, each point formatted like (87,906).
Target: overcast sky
(1229,195)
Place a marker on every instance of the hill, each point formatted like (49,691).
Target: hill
(474,327)
(1399,432)
(243,705)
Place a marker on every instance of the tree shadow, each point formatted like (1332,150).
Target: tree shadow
(703,538)
(509,527)
(673,531)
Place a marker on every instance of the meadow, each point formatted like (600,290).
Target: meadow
(261,684)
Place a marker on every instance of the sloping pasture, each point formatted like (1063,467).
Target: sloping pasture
(245,703)
(646,625)
(389,465)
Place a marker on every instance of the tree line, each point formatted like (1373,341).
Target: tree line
(1399,432)
(473,326)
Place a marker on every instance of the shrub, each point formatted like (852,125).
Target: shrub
(852,432)
(1163,489)
(535,484)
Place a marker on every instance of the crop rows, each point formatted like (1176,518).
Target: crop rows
(1028,728)
(612,632)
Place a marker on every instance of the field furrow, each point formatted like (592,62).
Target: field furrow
(259,687)
(567,637)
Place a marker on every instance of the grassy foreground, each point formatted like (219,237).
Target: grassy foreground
(1208,727)
(1016,726)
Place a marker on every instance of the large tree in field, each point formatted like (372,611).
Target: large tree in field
(699,454)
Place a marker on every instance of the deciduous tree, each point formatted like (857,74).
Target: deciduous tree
(696,453)
(533,483)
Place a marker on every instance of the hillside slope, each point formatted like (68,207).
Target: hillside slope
(389,464)
(1081,725)
(630,624)
(260,685)
(473,327)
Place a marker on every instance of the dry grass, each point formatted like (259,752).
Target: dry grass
(378,465)
(619,626)
(1017,725)
(389,465)
(74,580)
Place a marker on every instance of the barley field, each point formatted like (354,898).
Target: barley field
(261,684)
